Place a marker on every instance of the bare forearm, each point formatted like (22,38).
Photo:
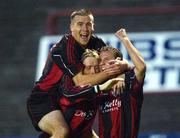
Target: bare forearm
(135,55)
(91,79)
(137,59)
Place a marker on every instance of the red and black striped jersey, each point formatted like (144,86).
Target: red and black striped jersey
(65,56)
(109,116)
(119,117)
(70,94)
(78,106)
(80,118)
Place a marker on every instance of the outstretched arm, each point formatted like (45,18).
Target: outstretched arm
(80,93)
(137,59)
(93,79)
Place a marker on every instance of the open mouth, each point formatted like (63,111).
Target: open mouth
(84,36)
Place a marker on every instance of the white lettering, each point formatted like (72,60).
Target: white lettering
(109,106)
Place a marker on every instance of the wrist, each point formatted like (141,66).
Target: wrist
(124,39)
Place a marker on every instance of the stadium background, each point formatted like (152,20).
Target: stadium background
(22,23)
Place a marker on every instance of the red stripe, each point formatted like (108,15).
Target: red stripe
(101,125)
(52,78)
(133,117)
(69,51)
(67,83)
(72,51)
(116,120)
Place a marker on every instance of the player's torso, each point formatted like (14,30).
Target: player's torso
(109,109)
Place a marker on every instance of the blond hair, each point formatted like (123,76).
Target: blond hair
(116,52)
(82,12)
(89,53)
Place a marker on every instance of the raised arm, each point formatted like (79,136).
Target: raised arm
(137,59)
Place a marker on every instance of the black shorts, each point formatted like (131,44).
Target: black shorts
(41,103)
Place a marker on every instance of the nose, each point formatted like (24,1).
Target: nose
(101,65)
(93,71)
(84,27)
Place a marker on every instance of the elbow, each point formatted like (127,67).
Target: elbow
(142,68)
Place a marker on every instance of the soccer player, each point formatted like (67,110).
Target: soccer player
(119,117)
(65,57)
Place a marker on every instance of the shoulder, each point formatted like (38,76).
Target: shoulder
(129,77)
(130,74)
(131,80)
(95,42)
(133,87)
(96,38)
(64,39)
(62,43)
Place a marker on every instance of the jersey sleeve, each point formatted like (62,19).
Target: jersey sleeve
(65,56)
(77,93)
(96,43)
(134,87)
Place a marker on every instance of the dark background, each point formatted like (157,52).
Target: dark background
(22,23)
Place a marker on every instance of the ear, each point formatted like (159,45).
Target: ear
(70,27)
(93,27)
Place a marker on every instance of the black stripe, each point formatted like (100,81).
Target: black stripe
(126,107)
(106,117)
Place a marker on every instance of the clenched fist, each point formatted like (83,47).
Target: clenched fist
(121,34)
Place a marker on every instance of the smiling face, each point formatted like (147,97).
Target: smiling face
(108,53)
(82,28)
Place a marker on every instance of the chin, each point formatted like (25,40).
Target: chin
(84,43)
